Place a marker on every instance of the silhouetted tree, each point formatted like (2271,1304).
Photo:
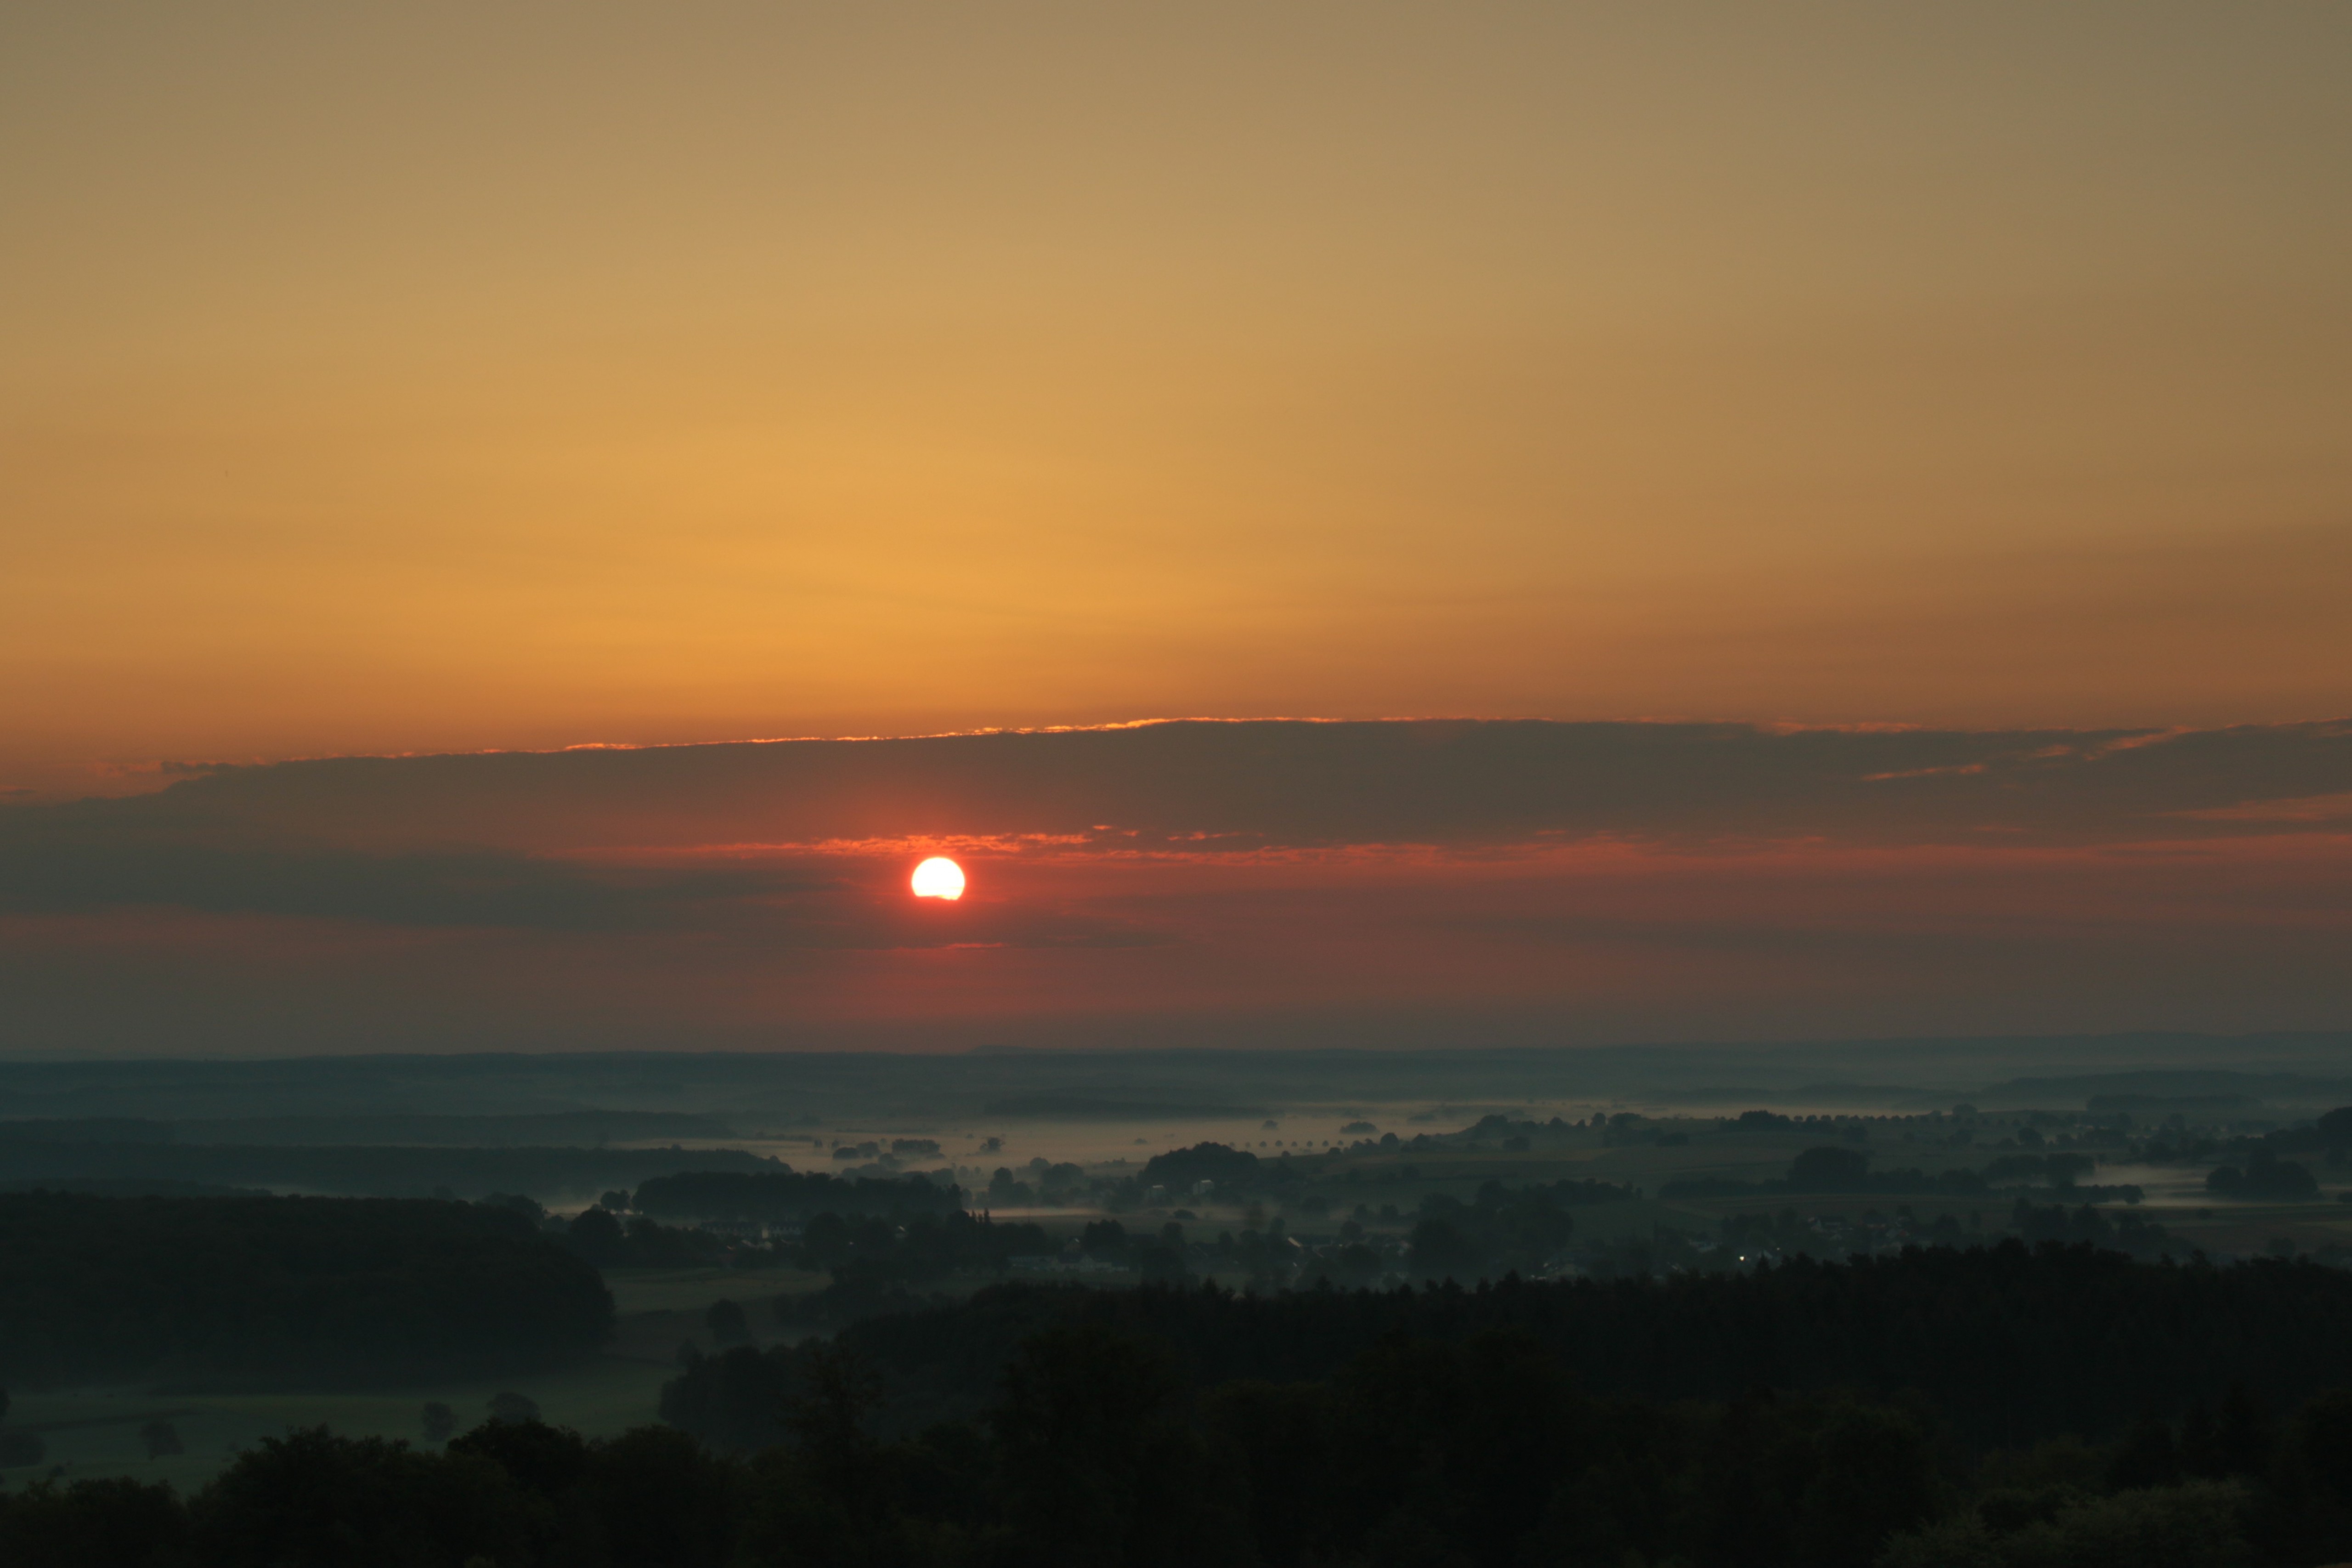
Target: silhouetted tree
(2265,1176)
(664,1499)
(727,1323)
(2200,1444)
(2148,1456)
(1233,1170)
(548,1460)
(1829,1170)
(1440,1251)
(827,1415)
(597,1236)
(510,1406)
(2246,1440)
(358,1502)
(116,1523)
(1869,1474)
(1100,1467)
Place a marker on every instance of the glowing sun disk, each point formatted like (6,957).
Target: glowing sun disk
(939,878)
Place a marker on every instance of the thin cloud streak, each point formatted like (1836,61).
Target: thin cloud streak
(1278,783)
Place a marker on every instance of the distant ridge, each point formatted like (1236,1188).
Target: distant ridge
(2181,1089)
(563,1129)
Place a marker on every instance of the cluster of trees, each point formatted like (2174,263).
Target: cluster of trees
(2176,1145)
(1499,1131)
(927,1248)
(1573,1190)
(1048,1182)
(1272,1257)
(1501,1231)
(899,1149)
(1162,1259)
(1832,1170)
(1515,1424)
(2265,1177)
(2331,1134)
(1835,1169)
(2013,1344)
(1106,1448)
(334,1291)
(1513,1134)
(1097,1446)
(20,1448)
(2330,1137)
(1233,1171)
(2055,1222)
(1773,1121)
(1239,1172)
(1180,1169)
(1230,1172)
(516,1493)
(784,1195)
(878,1266)
(2060,1169)
(1833,1236)
(608,1241)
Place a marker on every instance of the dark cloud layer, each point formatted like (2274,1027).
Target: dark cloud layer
(53,866)
(1281,783)
(83,871)
(511,839)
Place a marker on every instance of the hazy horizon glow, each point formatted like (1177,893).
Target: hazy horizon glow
(1200,884)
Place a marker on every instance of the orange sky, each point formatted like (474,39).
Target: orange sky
(389,381)
(421,378)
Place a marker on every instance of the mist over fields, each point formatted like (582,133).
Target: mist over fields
(2026,1311)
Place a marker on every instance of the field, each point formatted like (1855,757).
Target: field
(97,1432)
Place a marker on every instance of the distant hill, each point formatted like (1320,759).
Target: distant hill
(2166,1090)
(559,1129)
(422,1172)
(128,1187)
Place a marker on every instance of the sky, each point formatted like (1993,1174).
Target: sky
(1745,391)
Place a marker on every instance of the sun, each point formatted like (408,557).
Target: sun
(939,878)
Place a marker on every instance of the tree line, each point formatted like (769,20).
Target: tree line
(2013,1344)
(325,1291)
(1832,1170)
(878,1266)
(1098,1447)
